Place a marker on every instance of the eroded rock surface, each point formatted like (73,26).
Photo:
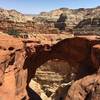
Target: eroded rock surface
(78,21)
(87,88)
(19,60)
(12,75)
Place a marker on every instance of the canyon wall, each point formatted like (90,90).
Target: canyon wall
(28,27)
(79,21)
(23,23)
(63,20)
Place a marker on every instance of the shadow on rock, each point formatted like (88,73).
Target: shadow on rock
(33,95)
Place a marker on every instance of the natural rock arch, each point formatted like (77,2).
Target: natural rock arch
(73,50)
(16,59)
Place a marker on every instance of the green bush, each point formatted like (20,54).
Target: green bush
(13,32)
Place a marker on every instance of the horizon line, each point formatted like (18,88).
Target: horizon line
(73,8)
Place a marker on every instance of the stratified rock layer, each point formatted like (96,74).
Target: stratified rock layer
(77,21)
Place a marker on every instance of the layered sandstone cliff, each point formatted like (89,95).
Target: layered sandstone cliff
(68,20)
(23,23)
(78,21)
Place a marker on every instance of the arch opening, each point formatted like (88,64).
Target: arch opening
(52,78)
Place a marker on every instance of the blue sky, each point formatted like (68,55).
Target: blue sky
(36,6)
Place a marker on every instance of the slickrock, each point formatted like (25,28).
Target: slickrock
(85,88)
(12,74)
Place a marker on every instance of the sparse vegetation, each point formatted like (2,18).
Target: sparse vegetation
(13,32)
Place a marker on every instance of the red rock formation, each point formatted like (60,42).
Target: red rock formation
(74,50)
(87,88)
(96,55)
(12,75)
(19,60)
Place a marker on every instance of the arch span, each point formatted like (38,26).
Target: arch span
(73,50)
(14,63)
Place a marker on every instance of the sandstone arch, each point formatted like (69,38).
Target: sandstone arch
(73,50)
(16,61)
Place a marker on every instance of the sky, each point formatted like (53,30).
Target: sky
(37,6)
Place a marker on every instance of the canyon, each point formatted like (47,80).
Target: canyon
(63,20)
(56,55)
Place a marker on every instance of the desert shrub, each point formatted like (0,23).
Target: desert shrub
(13,32)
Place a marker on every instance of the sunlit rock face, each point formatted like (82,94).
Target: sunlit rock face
(55,66)
(22,23)
(88,26)
(77,21)
(12,75)
(85,88)
(80,21)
